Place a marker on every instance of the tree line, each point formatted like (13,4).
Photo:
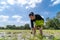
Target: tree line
(14,27)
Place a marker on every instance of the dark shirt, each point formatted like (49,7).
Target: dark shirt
(37,17)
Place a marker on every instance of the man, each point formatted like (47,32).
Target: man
(36,22)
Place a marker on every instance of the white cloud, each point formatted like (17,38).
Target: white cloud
(2,8)
(19,20)
(18,24)
(12,2)
(24,22)
(28,2)
(52,0)
(15,22)
(3,5)
(22,2)
(3,18)
(55,2)
(3,2)
(25,3)
(32,3)
(27,7)
(17,17)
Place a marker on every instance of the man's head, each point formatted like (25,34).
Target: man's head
(31,16)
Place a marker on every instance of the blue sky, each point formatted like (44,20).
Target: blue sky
(15,12)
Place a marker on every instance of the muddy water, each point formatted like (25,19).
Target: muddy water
(14,36)
(23,35)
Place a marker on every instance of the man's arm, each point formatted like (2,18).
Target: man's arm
(32,24)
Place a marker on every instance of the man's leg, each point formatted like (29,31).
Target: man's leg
(33,31)
(41,33)
(40,29)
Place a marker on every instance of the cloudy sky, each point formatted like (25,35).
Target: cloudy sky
(16,11)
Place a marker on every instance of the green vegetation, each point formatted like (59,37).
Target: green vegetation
(14,27)
(53,23)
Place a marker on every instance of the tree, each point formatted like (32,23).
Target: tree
(8,26)
(11,27)
(21,27)
(58,15)
(27,26)
(53,23)
(58,19)
(50,24)
(47,18)
(1,27)
(57,23)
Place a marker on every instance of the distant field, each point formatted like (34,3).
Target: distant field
(26,30)
(26,35)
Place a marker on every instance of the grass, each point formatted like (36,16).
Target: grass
(25,34)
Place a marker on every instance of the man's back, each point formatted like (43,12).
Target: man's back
(38,17)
